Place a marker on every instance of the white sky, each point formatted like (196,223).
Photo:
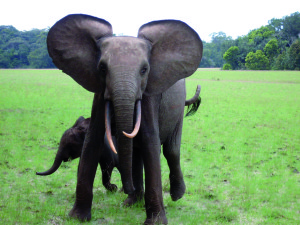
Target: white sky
(233,17)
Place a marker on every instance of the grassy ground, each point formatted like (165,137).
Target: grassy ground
(240,152)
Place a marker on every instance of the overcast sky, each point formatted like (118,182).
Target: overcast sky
(233,17)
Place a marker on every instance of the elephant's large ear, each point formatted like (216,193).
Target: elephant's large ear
(176,53)
(72,45)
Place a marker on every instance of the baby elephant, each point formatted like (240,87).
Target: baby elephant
(70,147)
(71,144)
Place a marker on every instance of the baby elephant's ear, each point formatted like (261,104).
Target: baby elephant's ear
(78,121)
(72,45)
(176,53)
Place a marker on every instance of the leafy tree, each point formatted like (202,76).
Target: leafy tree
(291,27)
(227,66)
(7,33)
(290,59)
(286,29)
(7,55)
(218,46)
(293,56)
(4,59)
(244,48)
(39,57)
(263,31)
(257,61)
(231,56)
(260,37)
(19,49)
(271,49)
(276,24)
(23,49)
(274,39)
(280,61)
(206,61)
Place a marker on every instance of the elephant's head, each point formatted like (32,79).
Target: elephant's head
(70,145)
(123,69)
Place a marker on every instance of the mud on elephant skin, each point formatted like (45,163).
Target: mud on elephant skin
(70,147)
(71,143)
(140,80)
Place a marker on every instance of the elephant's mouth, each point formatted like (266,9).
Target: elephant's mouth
(108,122)
(68,159)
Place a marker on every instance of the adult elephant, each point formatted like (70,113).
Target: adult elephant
(71,143)
(132,78)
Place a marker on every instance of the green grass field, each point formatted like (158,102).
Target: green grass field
(240,151)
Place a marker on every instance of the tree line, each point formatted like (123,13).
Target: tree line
(24,49)
(275,46)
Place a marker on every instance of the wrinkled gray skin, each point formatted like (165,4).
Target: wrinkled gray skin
(124,71)
(71,143)
(70,147)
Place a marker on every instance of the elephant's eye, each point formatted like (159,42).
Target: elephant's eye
(102,68)
(143,71)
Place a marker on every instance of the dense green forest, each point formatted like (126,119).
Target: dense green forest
(23,49)
(275,46)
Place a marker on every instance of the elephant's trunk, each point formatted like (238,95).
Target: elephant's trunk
(57,162)
(124,112)
(108,124)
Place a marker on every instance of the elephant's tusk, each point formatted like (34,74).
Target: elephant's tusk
(108,127)
(137,122)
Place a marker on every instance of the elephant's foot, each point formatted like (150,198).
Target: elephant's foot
(81,213)
(177,188)
(111,187)
(159,219)
(132,199)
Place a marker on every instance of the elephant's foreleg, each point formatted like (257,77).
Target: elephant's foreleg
(151,148)
(137,172)
(88,162)
(171,150)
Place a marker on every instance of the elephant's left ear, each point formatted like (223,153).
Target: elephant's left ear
(176,53)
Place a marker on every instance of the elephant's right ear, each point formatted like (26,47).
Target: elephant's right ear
(72,45)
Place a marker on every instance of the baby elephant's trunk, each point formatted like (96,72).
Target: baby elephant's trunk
(57,162)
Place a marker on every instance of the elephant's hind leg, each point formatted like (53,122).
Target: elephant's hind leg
(171,150)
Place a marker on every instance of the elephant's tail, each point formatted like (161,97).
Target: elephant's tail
(193,103)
